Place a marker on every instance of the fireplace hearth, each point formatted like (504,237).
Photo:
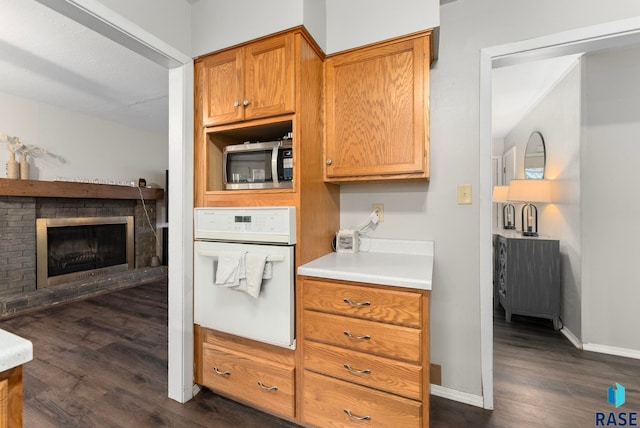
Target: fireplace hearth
(74,248)
(18,265)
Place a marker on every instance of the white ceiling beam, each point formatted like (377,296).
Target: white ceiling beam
(94,15)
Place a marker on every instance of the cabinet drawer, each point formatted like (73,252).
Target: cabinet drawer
(364,369)
(328,400)
(361,335)
(391,306)
(242,376)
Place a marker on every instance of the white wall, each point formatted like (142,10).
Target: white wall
(557,117)
(93,148)
(169,20)
(335,24)
(359,22)
(610,207)
(466,26)
(315,21)
(217,24)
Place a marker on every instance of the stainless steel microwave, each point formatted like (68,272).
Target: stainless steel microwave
(261,165)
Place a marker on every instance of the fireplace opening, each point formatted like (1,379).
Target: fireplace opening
(75,248)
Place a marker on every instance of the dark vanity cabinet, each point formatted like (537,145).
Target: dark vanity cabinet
(527,276)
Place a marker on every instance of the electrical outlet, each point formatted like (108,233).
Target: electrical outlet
(465,196)
(380,208)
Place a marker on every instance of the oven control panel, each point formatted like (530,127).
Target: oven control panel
(247,224)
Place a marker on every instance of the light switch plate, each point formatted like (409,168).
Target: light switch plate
(465,195)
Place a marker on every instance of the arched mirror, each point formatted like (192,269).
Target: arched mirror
(535,157)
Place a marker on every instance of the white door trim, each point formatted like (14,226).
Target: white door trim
(602,36)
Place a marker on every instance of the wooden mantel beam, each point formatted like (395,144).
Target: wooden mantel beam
(66,189)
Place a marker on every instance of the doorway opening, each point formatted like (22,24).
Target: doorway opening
(590,39)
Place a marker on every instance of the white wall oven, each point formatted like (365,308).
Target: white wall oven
(244,272)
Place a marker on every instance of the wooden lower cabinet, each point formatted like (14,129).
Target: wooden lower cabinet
(362,335)
(362,359)
(365,355)
(251,380)
(364,369)
(11,398)
(336,403)
(253,373)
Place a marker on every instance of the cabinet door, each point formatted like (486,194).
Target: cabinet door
(376,105)
(269,79)
(223,88)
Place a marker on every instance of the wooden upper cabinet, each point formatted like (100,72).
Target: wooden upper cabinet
(376,106)
(249,82)
(223,87)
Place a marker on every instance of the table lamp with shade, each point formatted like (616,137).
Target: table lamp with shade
(500,194)
(529,191)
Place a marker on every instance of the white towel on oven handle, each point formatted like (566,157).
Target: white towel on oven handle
(230,268)
(242,271)
(254,272)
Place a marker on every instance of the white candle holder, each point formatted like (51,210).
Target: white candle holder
(529,220)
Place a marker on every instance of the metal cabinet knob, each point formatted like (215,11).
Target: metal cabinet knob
(236,103)
(245,102)
(329,161)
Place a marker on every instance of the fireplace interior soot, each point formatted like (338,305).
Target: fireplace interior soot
(81,248)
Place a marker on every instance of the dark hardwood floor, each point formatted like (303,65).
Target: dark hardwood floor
(542,380)
(102,362)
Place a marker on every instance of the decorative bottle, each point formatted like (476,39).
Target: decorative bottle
(24,167)
(13,168)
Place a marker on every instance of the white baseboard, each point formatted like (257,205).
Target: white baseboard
(571,337)
(195,389)
(612,350)
(459,396)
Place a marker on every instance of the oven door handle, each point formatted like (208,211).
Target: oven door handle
(216,254)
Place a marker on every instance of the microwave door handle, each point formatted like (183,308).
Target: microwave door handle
(274,164)
(225,177)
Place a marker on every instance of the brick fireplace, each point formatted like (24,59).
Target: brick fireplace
(18,260)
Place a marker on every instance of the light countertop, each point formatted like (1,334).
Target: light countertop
(14,350)
(389,262)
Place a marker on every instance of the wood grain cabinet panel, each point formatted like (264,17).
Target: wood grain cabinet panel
(263,383)
(369,359)
(249,82)
(365,336)
(376,106)
(369,370)
(11,398)
(335,403)
(376,304)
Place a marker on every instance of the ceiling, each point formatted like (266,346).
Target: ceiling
(49,58)
(516,89)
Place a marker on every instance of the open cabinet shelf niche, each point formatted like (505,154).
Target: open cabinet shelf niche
(216,139)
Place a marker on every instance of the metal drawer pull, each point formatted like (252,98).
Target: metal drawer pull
(365,337)
(357,418)
(352,370)
(267,388)
(218,372)
(352,303)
